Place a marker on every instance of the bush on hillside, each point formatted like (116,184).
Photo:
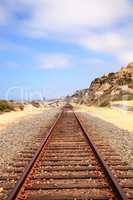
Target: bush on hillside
(35,104)
(21,106)
(5,106)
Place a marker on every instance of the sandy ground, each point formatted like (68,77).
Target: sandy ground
(117,116)
(124,103)
(7,119)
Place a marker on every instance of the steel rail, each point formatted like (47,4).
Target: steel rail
(19,184)
(115,185)
(112,180)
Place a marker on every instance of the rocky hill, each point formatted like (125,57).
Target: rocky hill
(109,87)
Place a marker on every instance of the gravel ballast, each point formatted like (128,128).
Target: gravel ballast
(17,135)
(120,140)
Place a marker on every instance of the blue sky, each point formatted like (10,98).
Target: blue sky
(53,47)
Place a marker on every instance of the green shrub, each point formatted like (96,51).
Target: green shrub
(35,104)
(5,106)
(21,106)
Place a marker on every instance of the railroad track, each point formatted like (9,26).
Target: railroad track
(68,166)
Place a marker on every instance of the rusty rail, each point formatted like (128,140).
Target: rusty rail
(115,185)
(112,180)
(19,184)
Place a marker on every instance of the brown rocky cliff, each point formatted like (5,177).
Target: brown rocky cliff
(110,87)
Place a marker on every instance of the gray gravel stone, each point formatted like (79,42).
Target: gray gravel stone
(15,137)
(120,140)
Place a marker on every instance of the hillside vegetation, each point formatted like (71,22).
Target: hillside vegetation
(7,106)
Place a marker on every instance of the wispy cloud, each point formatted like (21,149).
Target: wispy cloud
(44,17)
(126,56)
(40,37)
(117,43)
(90,24)
(44,61)
(55,61)
(4,15)
(59,16)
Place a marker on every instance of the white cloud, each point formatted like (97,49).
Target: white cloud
(43,61)
(117,43)
(54,61)
(84,22)
(4,15)
(93,61)
(126,57)
(109,42)
(59,16)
